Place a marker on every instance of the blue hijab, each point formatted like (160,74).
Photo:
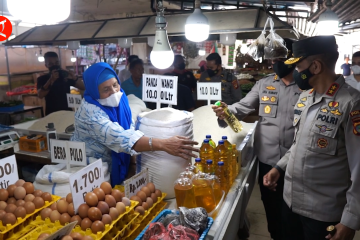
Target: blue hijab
(93,77)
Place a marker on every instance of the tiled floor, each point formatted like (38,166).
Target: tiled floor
(256,214)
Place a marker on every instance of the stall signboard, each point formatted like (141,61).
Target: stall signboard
(8,172)
(160,89)
(74,100)
(136,182)
(84,181)
(70,153)
(209,91)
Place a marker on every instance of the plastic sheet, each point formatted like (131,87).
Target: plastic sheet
(195,218)
(172,219)
(256,49)
(274,44)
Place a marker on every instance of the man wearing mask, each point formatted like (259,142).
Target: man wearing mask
(275,97)
(354,79)
(230,87)
(322,178)
(56,84)
(185,77)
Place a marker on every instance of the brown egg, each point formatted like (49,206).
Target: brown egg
(11,200)
(126,201)
(118,195)
(39,202)
(46,196)
(103,207)
(55,216)
(91,199)
(10,208)
(62,206)
(136,198)
(29,187)
(69,198)
(4,194)
(106,219)
(147,191)
(150,202)
(140,210)
(154,197)
(43,236)
(53,206)
(11,190)
(151,187)
(45,213)
(94,214)
(20,203)
(30,207)
(99,193)
(19,182)
(76,236)
(2,214)
(64,218)
(70,209)
(106,187)
(141,195)
(76,218)
(110,200)
(158,193)
(83,210)
(97,226)
(85,224)
(9,218)
(121,207)
(2,205)
(20,212)
(64,198)
(19,193)
(38,193)
(67,237)
(145,206)
(87,238)
(29,198)
(114,213)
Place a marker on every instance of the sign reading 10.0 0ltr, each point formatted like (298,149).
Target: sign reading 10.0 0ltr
(157,88)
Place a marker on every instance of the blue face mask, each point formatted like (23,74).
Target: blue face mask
(302,78)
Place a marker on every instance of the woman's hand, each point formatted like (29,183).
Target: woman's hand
(179,146)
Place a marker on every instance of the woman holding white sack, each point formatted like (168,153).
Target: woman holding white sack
(103,121)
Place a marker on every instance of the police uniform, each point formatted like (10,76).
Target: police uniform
(322,179)
(230,87)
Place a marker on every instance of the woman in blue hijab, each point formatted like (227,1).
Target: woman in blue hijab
(103,121)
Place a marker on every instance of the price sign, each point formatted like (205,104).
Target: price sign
(209,91)
(66,230)
(71,153)
(160,89)
(84,181)
(8,171)
(135,183)
(74,100)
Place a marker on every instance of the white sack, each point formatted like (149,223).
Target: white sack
(137,106)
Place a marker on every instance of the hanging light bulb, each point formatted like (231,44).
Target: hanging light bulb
(228,38)
(41,57)
(161,55)
(328,23)
(197,25)
(125,42)
(201,52)
(73,58)
(244,48)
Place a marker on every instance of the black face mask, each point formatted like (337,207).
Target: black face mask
(281,69)
(181,66)
(302,78)
(54,67)
(211,72)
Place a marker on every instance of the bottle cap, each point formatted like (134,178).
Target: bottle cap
(197,159)
(50,125)
(208,136)
(206,140)
(218,103)
(220,163)
(221,142)
(224,137)
(209,161)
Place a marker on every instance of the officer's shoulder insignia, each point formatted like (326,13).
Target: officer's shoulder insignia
(276,77)
(311,91)
(271,88)
(267,109)
(223,81)
(235,84)
(207,79)
(332,89)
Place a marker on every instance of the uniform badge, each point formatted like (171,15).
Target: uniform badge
(271,88)
(356,124)
(207,79)
(276,77)
(223,81)
(323,128)
(273,99)
(324,110)
(322,143)
(303,76)
(265,98)
(332,89)
(311,91)
(235,84)
(334,108)
(267,109)
(296,120)
(303,99)
(300,105)
(355,113)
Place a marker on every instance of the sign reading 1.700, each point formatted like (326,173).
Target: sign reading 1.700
(157,88)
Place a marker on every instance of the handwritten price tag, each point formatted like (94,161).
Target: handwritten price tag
(72,153)
(74,100)
(135,183)
(209,91)
(8,171)
(84,181)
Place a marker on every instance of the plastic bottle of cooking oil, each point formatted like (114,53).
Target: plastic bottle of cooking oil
(216,185)
(220,173)
(209,167)
(206,151)
(199,166)
(230,159)
(230,119)
(235,160)
(238,159)
(211,142)
(203,191)
(184,193)
(222,154)
(187,174)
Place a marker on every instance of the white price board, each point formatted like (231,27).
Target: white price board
(72,153)
(209,91)
(135,183)
(74,100)
(160,89)
(84,181)
(8,171)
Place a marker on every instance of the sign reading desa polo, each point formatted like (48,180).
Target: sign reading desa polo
(158,88)
(8,172)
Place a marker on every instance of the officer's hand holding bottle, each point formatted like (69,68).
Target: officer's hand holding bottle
(219,110)
(271,178)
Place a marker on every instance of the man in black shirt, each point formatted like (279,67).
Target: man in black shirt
(56,84)
(185,77)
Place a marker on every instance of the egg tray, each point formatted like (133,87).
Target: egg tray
(8,230)
(135,231)
(124,231)
(144,219)
(42,227)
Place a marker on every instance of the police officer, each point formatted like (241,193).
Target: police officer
(322,178)
(275,97)
(230,88)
